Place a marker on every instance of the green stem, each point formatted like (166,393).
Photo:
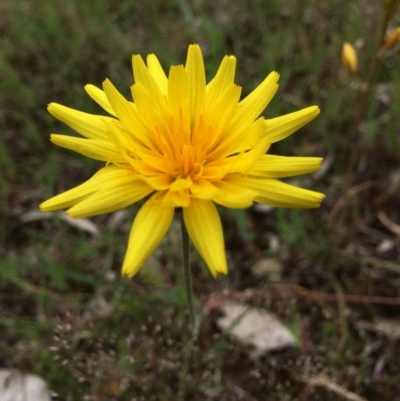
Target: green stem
(373,69)
(364,101)
(187,273)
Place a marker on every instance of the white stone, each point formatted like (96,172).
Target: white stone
(17,386)
(254,327)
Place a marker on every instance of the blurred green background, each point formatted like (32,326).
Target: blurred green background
(66,314)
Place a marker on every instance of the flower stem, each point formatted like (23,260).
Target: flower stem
(187,274)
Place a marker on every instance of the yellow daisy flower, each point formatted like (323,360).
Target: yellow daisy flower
(182,143)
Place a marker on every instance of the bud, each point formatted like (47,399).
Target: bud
(392,39)
(349,58)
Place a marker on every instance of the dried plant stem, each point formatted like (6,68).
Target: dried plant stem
(364,102)
(373,69)
(323,381)
(187,274)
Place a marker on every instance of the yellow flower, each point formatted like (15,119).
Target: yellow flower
(349,58)
(182,143)
(393,38)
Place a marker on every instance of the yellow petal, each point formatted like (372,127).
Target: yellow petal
(127,113)
(178,102)
(159,182)
(180,184)
(204,227)
(124,109)
(157,73)
(178,87)
(149,228)
(244,161)
(255,103)
(239,154)
(224,77)
(276,193)
(221,149)
(100,98)
(203,189)
(88,125)
(270,166)
(176,198)
(97,149)
(213,173)
(219,113)
(150,166)
(233,196)
(197,80)
(281,127)
(121,141)
(74,195)
(154,119)
(143,76)
(122,190)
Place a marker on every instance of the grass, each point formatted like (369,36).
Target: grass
(66,314)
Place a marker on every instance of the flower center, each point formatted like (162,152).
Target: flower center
(189,148)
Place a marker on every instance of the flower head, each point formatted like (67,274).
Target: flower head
(182,143)
(349,58)
(393,38)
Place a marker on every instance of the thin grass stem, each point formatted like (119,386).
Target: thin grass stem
(187,274)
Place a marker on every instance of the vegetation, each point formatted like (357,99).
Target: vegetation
(65,312)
